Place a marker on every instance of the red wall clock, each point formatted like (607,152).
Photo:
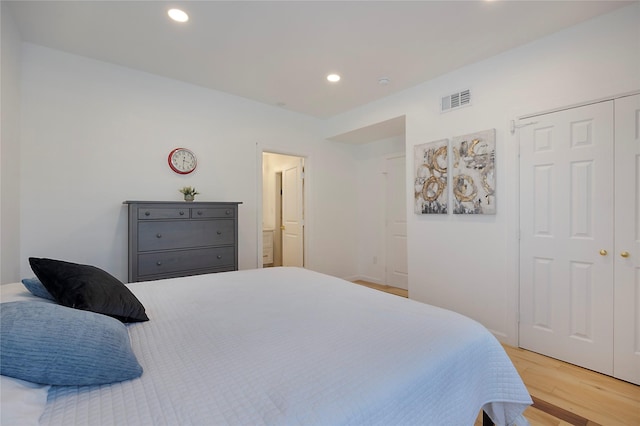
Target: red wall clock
(182,161)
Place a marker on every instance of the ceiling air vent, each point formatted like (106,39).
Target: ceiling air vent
(455,100)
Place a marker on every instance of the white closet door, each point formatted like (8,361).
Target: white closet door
(626,364)
(566,221)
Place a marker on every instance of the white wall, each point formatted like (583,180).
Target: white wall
(469,263)
(332,210)
(9,149)
(96,134)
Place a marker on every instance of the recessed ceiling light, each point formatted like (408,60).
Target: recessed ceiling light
(383,81)
(178,15)
(333,78)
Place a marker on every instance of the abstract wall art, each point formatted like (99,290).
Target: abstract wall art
(430,184)
(473,173)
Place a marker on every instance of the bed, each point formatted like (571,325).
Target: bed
(284,346)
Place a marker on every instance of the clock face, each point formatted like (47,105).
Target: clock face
(182,160)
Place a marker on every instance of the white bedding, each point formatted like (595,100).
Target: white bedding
(287,346)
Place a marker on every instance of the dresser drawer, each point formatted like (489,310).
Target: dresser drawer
(163,213)
(163,235)
(169,239)
(213,212)
(185,260)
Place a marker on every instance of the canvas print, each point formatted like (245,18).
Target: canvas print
(430,165)
(473,173)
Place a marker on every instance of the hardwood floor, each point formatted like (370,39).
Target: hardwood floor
(565,394)
(385,288)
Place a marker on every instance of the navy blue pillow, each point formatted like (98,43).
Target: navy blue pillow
(88,288)
(36,288)
(46,343)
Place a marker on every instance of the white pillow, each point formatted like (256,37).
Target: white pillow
(21,403)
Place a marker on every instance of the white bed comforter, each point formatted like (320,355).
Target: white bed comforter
(287,346)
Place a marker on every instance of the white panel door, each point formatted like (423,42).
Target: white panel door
(626,363)
(292,211)
(566,231)
(396,220)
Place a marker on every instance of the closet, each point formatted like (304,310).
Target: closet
(580,236)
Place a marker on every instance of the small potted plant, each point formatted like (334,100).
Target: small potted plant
(189,193)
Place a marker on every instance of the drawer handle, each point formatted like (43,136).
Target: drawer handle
(158,235)
(147,213)
(199,212)
(228,212)
(219,256)
(181,213)
(219,232)
(159,263)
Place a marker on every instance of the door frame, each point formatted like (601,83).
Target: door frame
(307,212)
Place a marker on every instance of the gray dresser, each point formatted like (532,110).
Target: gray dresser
(175,239)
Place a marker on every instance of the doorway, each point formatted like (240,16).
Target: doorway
(282,210)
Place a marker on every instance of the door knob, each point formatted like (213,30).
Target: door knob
(603,252)
(282,227)
(624,254)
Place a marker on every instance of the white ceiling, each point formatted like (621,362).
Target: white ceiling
(279,53)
